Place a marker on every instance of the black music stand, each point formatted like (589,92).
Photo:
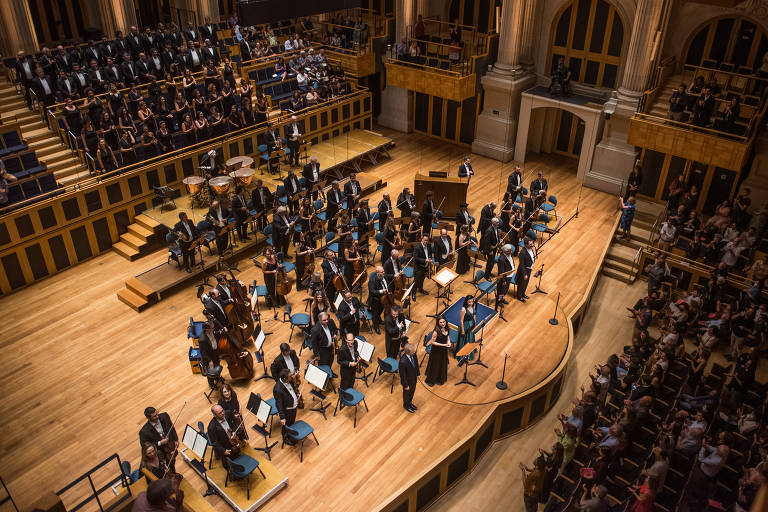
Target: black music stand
(261,408)
(464,361)
(480,342)
(200,467)
(259,337)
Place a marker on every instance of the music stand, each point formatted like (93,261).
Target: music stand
(318,378)
(197,443)
(443,278)
(405,298)
(258,340)
(198,245)
(304,151)
(263,411)
(365,350)
(463,356)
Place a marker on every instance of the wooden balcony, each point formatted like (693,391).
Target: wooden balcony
(445,84)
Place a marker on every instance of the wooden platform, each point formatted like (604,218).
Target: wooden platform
(126,362)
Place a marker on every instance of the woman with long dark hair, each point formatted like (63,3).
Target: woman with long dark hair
(437,367)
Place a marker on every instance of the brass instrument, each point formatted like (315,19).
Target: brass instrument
(183,236)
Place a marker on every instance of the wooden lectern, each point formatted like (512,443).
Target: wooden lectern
(453,189)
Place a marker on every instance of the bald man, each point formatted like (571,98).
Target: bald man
(220,431)
(377,287)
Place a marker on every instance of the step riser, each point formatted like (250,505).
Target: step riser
(138,246)
(129,257)
(136,307)
(139,234)
(618,259)
(618,267)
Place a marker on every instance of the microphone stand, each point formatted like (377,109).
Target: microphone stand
(482,337)
(538,285)
(501,384)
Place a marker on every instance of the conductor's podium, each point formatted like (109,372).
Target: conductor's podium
(450,191)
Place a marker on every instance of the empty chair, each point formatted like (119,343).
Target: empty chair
(387,365)
(350,397)
(242,467)
(299,432)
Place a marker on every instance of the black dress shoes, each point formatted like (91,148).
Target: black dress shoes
(414,407)
(521,300)
(377,330)
(525,296)
(425,292)
(409,409)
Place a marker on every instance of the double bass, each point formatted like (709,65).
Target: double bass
(239,363)
(282,284)
(239,311)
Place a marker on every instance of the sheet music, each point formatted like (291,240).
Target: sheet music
(254,299)
(259,340)
(338,300)
(407,325)
(445,276)
(201,443)
(190,434)
(365,349)
(316,376)
(263,412)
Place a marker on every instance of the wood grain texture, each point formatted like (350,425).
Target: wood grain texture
(85,365)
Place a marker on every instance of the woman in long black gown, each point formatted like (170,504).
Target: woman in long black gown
(231,406)
(270,267)
(437,367)
(462,259)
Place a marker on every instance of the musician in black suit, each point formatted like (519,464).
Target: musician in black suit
(135,42)
(538,185)
(185,228)
(261,201)
(506,265)
(25,72)
(422,258)
(209,52)
(405,203)
(331,269)
(488,245)
(286,401)
(287,360)
(43,87)
(514,181)
(385,210)
(525,269)
(349,314)
(463,218)
(335,199)
(158,430)
(191,33)
(364,224)
(281,231)
(128,70)
(47,62)
(240,211)
(292,189)
(209,350)
(311,173)
(443,247)
(294,132)
(465,170)
(214,304)
(486,214)
(352,191)
(409,371)
(394,327)
(218,216)
(220,431)
(349,358)
(322,338)
(530,206)
(377,287)
(428,212)
(209,30)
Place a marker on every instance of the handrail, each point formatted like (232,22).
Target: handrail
(735,280)
(657,80)
(691,127)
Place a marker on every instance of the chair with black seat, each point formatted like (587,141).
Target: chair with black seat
(205,228)
(350,397)
(299,432)
(241,467)
(215,380)
(482,285)
(388,365)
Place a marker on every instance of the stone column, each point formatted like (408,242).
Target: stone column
(404,18)
(116,15)
(529,30)
(510,38)
(18,29)
(396,102)
(638,59)
(209,8)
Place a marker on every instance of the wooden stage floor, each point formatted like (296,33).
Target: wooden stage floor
(80,370)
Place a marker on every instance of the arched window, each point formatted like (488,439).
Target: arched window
(589,34)
(733,44)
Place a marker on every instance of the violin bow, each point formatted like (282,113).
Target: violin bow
(168,435)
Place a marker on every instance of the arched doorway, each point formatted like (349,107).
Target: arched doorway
(731,43)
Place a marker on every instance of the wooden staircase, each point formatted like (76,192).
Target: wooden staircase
(139,238)
(137,295)
(620,258)
(660,107)
(57,157)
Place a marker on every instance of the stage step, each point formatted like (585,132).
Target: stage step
(133,300)
(133,241)
(141,232)
(615,275)
(621,253)
(146,222)
(141,289)
(126,251)
(619,266)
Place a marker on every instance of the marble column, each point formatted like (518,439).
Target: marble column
(404,18)
(396,102)
(18,29)
(638,60)
(508,60)
(529,31)
(209,8)
(116,15)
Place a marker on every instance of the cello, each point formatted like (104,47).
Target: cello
(239,364)
(282,284)
(242,313)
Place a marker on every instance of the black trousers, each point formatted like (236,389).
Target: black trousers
(418,278)
(408,395)
(290,419)
(522,284)
(502,288)
(426,224)
(325,356)
(187,255)
(241,226)
(376,310)
(281,242)
(293,145)
(222,242)
(354,328)
(490,261)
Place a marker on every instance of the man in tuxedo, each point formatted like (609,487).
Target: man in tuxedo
(113,73)
(156,63)
(364,224)
(214,303)
(394,326)
(377,287)
(245,48)
(443,247)
(209,52)
(529,205)
(272,137)
(409,371)
(47,62)
(66,87)
(287,360)
(286,401)
(209,351)
(428,213)
(392,267)
(261,201)
(352,191)
(218,215)
(422,258)
(240,211)
(208,30)
(506,266)
(405,203)
(322,339)
(43,87)
(463,218)
(486,214)
(335,199)
(220,431)
(311,173)
(538,185)
(191,33)
(349,314)
(80,78)
(129,71)
(193,58)
(349,358)
(135,42)
(294,132)
(25,72)
(120,47)
(186,228)
(514,181)
(385,209)
(158,430)
(96,77)
(465,170)
(488,245)
(524,269)
(331,269)
(64,59)
(292,189)
(281,231)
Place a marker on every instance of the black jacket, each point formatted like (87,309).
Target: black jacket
(318,337)
(422,256)
(256,200)
(283,399)
(346,317)
(148,434)
(489,241)
(440,250)
(346,356)
(409,370)
(465,170)
(405,206)
(486,214)
(207,352)
(307,173)
(279,364)
(524,265)
(218,437)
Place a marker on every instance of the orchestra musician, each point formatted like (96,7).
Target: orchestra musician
(422,258)
(349,358)
(292,189)
(392,268)
(304,247)
(352,191)
(409,372)
(351,255)
(506,211)
(306,213)
(311,173)
(538,185)
(413,231)
(281,231)
(394,329)
(388,239)
(428,213)
(187,233)
(261,201)
(488,245)
(364,222)
(462,250)
(286,401)
(515,181)
(270,267)
(322,337)
(406,203)
(209,351)
(349,314)
(231,405)
(272,138)
(377,286)
(385,209)
(530,206)
(153,460)
(221,431)
(465,169)
(294,131)
(160,432)
(330,269)
(344,229)
(463,218)
(218,215)
(287,360)
(240,209)
(443,248)
(506,265)
(486,214)
(335,200)
(525,262)
(319,304)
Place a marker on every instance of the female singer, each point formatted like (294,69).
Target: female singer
(231,406)
(270,268)
(153,460)
(462,248)
(319,305)
(437,367)
(466,324)
(414,228)
(517,223)
(302,250)
(506,211)
(351,255)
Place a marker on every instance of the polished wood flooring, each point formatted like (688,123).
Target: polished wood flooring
(81,366)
